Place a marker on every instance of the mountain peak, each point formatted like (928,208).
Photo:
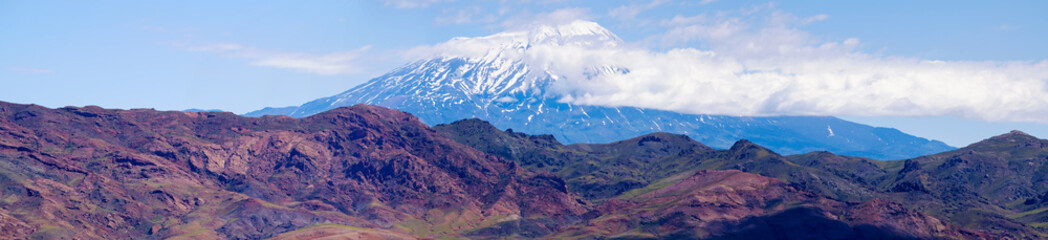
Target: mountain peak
(1009,140)
(744,149)
(509,78)
(578,32)
(741,144)
(662,141)
(1012,136)
(1017,132)
(507,44)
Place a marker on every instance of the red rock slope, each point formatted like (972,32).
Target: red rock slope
(115,174)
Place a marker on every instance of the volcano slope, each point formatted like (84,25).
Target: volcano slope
(500,81)
(995,186)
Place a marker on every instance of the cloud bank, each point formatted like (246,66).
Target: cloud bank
(30,70)
(758,62)
(410,3)
(344,62)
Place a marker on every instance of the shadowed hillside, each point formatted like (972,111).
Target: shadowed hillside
(995,185)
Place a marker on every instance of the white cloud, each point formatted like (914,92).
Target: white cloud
(344,62)
(759,63)
(410,3)
(630,12)
(816,18)
(466,15)
(1007,27)
(682,20)
(32,70)
(556,17)
(219,47)
(697,81)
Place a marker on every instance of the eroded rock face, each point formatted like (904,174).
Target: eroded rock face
(99,173)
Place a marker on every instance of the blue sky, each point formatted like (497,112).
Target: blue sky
(242,56)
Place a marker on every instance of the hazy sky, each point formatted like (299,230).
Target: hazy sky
(937,69)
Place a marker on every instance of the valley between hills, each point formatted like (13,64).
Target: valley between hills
(368,172)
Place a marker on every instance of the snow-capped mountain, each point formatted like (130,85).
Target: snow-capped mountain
(495,78)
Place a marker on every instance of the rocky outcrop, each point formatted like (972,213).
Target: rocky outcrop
(99,173)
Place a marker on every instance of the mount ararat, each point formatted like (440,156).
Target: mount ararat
(495,78)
